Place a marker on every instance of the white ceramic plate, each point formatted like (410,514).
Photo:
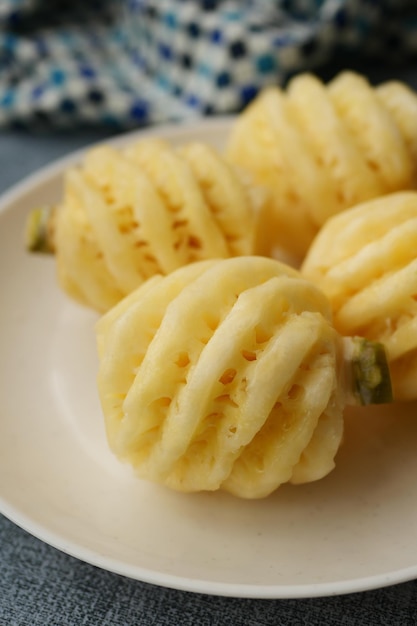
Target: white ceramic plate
(352,531)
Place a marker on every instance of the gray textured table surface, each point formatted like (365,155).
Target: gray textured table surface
(40,586)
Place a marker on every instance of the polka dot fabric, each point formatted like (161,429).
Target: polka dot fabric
(123,64)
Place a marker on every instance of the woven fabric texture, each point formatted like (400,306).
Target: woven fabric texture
(127,63)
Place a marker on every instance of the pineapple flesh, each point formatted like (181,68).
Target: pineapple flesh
(226,374)
(364,260)
(128,214)
(320,149)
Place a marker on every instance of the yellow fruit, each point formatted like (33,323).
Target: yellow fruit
(228,375)
(365,262)
(320,149)
(129,214)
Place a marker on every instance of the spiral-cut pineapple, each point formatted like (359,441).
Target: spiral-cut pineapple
(365,261)
(321,149)
(147,209)
(226,375)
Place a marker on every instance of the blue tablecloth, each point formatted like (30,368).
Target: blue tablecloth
(121,63)
(40,586)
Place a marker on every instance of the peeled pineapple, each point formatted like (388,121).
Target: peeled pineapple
(227,374)
(366,263)
(321,149)
(147,209)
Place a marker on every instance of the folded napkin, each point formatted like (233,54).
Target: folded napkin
(124,64)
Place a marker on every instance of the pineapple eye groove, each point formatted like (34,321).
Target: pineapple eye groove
(183,359)
(162,402)
(261,335)
(226,400)
(295,391)
(228,376)
(249,355)
(194,242)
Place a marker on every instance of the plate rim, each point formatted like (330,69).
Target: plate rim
(199,585)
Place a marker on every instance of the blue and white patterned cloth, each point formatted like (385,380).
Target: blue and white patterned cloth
(122,64)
